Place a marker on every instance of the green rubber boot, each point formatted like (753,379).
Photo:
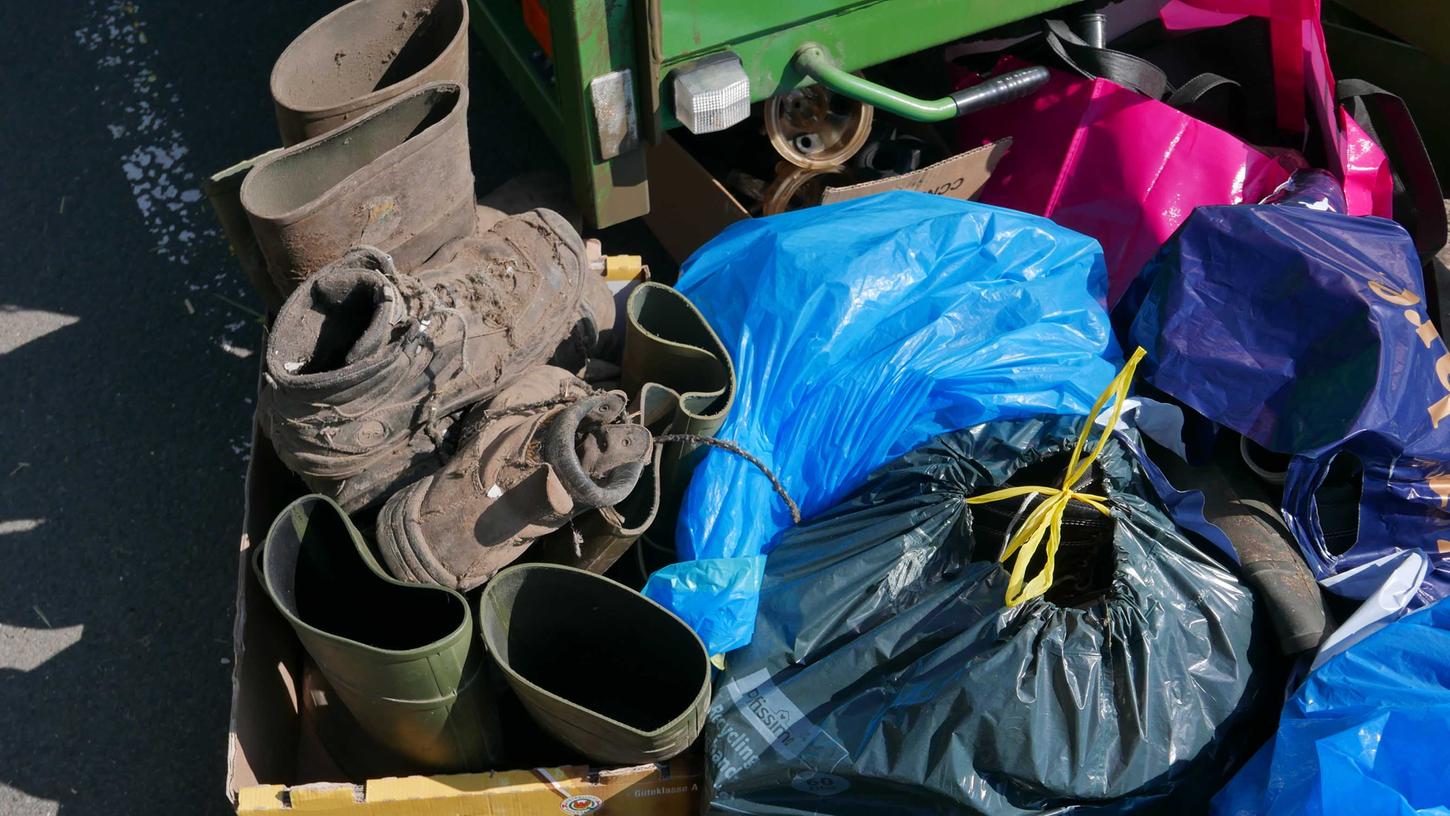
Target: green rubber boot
(679,373)
(402,658)
(604,669)
(681,380)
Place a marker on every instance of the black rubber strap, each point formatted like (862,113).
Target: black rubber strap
(1116,66)
(1194,90)
(1419,205)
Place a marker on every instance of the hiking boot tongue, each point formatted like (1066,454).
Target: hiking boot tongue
(344,296)
(341,316)
(597,459)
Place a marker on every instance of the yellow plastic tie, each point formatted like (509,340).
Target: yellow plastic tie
(1045,520)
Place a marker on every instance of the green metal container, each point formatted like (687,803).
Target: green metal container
(598,116)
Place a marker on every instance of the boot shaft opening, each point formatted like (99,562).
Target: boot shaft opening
(297,179)
(317,574)
(338,318)
(594,643)
(364,47)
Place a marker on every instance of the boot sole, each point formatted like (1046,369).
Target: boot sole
(402,551)
(408,557)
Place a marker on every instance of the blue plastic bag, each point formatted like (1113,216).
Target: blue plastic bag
(1307,332)
(1368,733)
(859,331)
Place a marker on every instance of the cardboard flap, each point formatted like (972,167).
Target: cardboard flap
(961,176)
(688,206)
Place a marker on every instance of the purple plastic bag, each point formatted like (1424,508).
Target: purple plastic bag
(1307,332)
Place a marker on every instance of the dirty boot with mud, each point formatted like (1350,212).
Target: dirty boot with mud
(363,55)
(397,178)
(365,367)
(545,450)
(402,658)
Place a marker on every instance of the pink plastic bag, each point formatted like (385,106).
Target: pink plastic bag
(1113,164)
(1106,161)
(1301,60)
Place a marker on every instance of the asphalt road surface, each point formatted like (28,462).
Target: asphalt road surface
(128,354)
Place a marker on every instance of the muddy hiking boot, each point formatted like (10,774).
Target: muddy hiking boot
(604,669)
(363,55)
(397,178)
(402,658)
(547,449)
(365,367)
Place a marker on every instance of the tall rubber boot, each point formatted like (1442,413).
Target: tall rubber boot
(364,55)
(397,178)
(402,658)
(604,669)
(681,380)
(223,190)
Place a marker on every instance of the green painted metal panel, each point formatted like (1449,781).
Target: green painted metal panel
(696,26)
(500,26)
(859,36)
(593,38)
(590,38)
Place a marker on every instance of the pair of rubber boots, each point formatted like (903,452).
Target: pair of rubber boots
(600,667)
(371,102)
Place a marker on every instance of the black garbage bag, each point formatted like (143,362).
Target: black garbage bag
(887,675)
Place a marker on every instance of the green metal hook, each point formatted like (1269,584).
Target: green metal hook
(813,61)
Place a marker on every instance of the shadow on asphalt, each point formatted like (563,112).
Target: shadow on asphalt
(127,395)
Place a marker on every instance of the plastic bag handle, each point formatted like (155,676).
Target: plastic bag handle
(1125,69)
(1132,72)
(1419,206)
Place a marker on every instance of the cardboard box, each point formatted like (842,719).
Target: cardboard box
(265,736)
(688,206)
